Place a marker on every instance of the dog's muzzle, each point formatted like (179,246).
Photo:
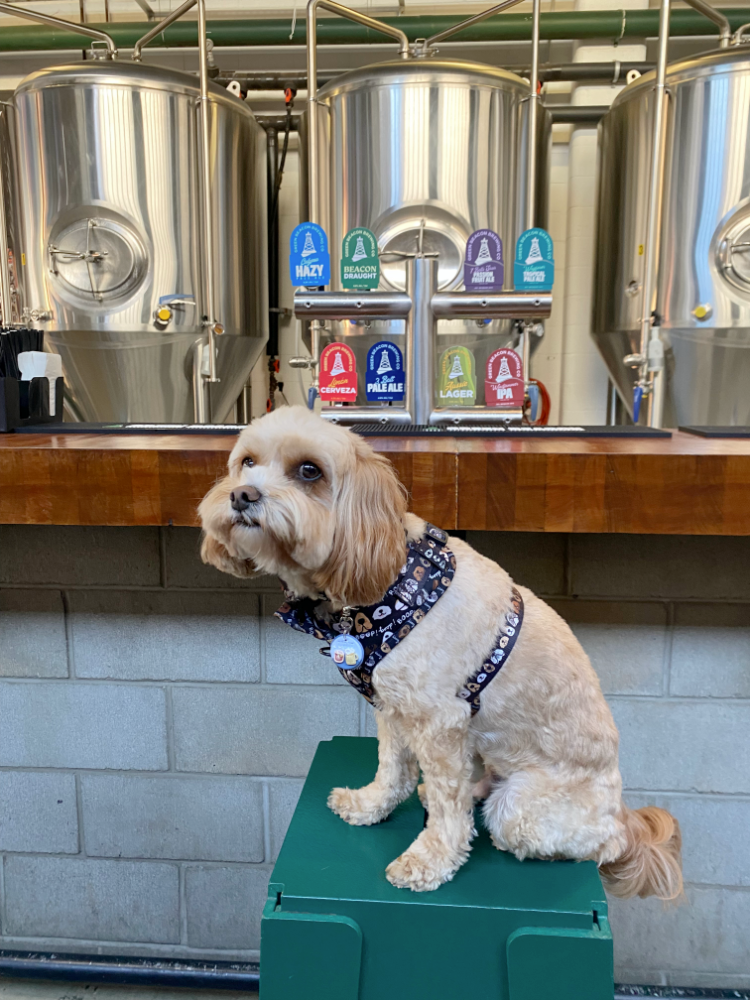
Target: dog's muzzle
(243,497)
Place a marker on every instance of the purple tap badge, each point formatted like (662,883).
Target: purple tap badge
(483,265)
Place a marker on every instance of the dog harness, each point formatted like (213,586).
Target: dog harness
(424,578)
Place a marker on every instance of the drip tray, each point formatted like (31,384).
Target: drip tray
(718,432)
(372,430)
(463,430)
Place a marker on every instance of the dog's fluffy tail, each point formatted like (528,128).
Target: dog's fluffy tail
(651,864)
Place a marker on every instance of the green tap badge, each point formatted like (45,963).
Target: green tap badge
(360,265)
(457,385)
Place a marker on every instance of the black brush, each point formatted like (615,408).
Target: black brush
(14,341)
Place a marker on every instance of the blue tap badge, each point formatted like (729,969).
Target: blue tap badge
(534,266)
(309,261)
(483,263)
(384,378)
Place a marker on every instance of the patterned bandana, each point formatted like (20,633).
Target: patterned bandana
(424,578)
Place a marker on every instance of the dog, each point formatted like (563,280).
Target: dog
(311,502)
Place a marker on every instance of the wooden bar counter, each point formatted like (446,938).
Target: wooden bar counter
(683,485)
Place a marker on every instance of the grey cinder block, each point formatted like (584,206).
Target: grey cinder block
(534,559)
(711,651)
(708,935)
(668,566)
(32,634)
(626,642)
(71,555)
(253,730)
(283,797)
(202,819)
(38,812)
(224,906)
(715,844)
(66,724)
(293,657)
(133,635)
(684,746)
(186,569)
(96,900)
(371,721)
(710,980)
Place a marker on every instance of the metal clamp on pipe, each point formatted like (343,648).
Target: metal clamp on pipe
(351,305)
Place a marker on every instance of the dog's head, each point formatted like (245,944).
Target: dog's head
(311,502)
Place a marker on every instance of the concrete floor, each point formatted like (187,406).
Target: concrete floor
(39,989)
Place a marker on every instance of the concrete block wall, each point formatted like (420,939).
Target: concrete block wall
(156,724)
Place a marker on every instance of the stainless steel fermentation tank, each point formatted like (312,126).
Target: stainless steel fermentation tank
(423,151)
(702,255)
(131,265)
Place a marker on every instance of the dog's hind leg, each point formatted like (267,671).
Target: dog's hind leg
(540,814)
(394,782)
(444,845)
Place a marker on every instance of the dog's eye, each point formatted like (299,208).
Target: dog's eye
(248,461)
(309,472)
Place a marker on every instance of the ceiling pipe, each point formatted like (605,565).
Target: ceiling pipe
(567,25)
(88,30)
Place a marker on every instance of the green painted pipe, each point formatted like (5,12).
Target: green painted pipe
(605,24)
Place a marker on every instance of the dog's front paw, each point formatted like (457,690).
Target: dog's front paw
(422,793)
(356,806)
(418,872)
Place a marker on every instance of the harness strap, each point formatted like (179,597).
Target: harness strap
(503,647)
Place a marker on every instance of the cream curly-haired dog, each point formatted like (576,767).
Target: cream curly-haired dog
(311,502)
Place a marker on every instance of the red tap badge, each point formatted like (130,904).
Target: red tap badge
(338,374)
(503,383)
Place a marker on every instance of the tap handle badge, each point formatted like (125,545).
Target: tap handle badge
(309,260)
(503,382)
(338,374)
(484,269)
(360,263)
(534,265)
(384,378)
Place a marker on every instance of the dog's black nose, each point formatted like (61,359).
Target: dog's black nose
(243,496)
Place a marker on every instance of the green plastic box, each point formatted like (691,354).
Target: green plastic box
(334,928)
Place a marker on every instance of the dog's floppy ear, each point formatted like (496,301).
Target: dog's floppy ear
(215,554)
(369,543)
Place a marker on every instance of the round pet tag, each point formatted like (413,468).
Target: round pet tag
(347,652)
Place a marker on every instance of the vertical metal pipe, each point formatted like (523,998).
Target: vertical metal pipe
(656,190)
(313,208)
(5,303)
(208,228)
(533,116)
(272,146)
(526,350)
(421,285)
(531,152)
(200,385)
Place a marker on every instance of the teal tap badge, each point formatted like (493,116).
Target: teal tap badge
(534,266)
(360,264)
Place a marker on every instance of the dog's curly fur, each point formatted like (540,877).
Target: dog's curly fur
(545,735)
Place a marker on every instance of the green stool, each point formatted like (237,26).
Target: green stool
(335,929)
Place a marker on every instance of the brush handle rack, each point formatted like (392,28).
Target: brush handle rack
(25,403)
